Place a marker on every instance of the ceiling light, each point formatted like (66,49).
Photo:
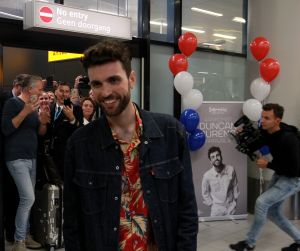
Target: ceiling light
(207,12)
(10,15)
(239,20)
(203,72)
(192,30)
(158,23)
(223,36)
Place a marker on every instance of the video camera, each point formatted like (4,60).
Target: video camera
(249,139)
(83,86)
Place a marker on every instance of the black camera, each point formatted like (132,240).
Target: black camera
(67,102)
(84,87)
(249,139)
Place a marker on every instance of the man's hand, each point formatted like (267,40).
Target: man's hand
(262,162)
(30,107)
(44,117)
(68,111)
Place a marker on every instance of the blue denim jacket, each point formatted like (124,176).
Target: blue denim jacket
(92,188)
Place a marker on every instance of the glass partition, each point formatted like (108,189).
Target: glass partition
(219,77)
(218,24)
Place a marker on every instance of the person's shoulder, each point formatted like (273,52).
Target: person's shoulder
(161,118)
(229,168)
(86,132)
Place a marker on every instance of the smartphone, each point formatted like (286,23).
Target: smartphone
(33,99)
(67,102)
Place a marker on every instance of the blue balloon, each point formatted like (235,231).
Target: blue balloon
(196,140)
(264,150)
(190,119)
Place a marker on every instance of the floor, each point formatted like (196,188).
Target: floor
(217,235)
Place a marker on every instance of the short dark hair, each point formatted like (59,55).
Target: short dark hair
(63,83)
(106,52)
(19,79)
(212,150)
(276,108)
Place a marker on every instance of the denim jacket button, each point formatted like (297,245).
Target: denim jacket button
(90,183)
(117,167)
(146,142)
(116,198)
(115,229)
(148,191)
(155,221)
(168,173)
(116,147)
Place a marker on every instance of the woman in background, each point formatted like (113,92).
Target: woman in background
(88,109)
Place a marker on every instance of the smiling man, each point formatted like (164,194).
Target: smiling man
(220,185)
(128,178)
(283,143)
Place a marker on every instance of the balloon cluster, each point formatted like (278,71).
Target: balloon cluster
(260,87)
(183,83)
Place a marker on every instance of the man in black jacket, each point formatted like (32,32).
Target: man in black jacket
(128,177)
(284,147)
(65,119)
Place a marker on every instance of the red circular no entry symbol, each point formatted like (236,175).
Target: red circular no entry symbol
(46,14)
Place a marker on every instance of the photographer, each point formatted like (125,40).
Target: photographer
(284,147)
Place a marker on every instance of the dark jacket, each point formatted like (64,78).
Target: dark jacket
(285,149)
(92,188)
(59,131)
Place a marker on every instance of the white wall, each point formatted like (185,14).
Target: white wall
(279,22)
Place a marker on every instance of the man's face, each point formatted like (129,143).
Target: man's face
(111,87)
(269,121)
(216,158)
(62,92)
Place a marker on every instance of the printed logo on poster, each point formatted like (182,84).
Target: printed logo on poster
(46,14)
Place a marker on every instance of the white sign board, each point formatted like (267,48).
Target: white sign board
(57,18)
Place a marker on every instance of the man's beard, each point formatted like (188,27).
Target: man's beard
(123,102)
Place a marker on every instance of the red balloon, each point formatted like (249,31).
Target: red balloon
(260,47)
(187,43)
(269,69)
(177,63)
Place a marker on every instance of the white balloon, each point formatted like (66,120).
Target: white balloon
(183,82)
(193,99)
(252,108)
(260,89)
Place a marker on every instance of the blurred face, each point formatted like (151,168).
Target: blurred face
(269,121)
(216,159)
(87,109)
(51,97)
(62,92)
(44,101)
(111,87)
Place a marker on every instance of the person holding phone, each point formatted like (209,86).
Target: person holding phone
(65,119)
(20,124)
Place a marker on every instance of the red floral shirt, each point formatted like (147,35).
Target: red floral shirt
(134,215)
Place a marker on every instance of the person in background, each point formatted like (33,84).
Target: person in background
(88,109)
(220,185)
(65,119)
(128,176)
(97,113)
(10,193)
(283,142)
(20,124)
(51,97)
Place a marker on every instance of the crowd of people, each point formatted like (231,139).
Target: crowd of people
(33,120)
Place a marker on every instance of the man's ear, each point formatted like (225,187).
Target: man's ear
(132,79)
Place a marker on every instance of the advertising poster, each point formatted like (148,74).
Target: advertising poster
(219,170)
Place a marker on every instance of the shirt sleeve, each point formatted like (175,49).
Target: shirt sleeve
(9,112)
